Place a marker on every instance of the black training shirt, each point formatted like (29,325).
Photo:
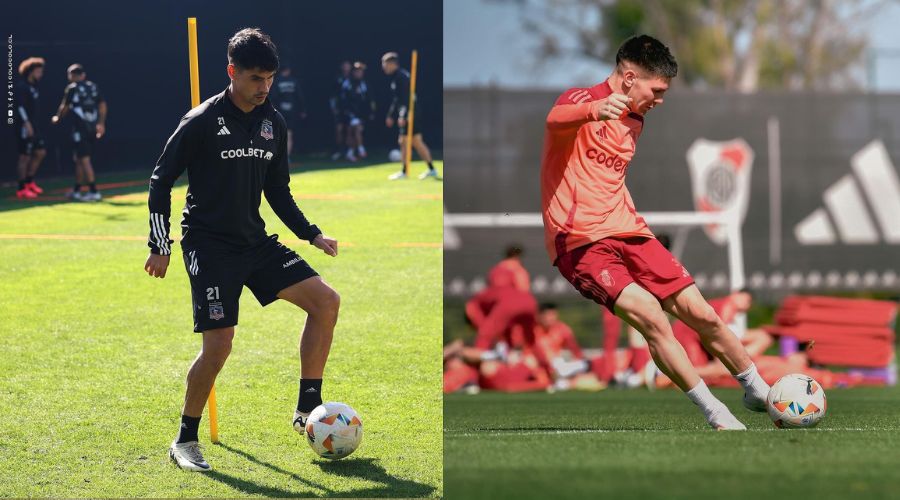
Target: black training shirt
(400,92)
(84,98)
(288,97)
(231,158)
(26,102)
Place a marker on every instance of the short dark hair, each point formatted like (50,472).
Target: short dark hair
(548,306)
(514,250)
(649,54)
(250,48)
(29,65)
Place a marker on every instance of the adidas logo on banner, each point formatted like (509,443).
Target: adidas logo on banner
(224,131)
(845,204)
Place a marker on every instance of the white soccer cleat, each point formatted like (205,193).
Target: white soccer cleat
(754,404)
(397,176)
(93,196)
(723,420)
(428,173)
(300,422)
(187,456)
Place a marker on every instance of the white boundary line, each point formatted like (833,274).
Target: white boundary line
(500,432)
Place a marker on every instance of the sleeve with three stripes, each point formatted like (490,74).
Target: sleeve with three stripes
(177,154)
(572,109)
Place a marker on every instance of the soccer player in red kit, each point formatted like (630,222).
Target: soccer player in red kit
(601,245)
(510,272)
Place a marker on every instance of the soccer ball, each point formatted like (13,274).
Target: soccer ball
(796,401)
(395,155)
(334,430)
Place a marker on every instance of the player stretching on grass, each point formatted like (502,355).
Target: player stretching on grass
(604,248)
(234,148)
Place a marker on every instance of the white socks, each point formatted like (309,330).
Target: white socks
(701,397)
(755,387)
(717,414)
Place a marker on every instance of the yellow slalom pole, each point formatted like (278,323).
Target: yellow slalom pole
(407,153)
(195,101)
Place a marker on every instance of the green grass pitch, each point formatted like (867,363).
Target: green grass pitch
(95,352)
(638,444)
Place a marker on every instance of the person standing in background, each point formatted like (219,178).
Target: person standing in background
(88,107)
(32,149)
(288,99)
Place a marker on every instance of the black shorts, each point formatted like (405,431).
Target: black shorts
(218,275)
(83,139)
(28,145)
(352,120)
(417,127)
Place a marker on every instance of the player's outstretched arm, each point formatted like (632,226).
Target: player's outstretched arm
(571,110)
(64,106)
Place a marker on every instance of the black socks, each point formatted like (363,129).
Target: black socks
(310,394)
(188,432)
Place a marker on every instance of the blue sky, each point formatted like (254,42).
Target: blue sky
(484,43)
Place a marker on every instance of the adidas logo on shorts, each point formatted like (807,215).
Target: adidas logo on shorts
(224,131)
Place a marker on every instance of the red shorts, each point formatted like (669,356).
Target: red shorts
(601,270)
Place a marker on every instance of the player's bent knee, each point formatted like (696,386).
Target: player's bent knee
(656,327)
(324,305)
(330,303)
(704,318)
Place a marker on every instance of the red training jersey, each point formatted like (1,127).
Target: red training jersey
(583,193)
(556,338)
(509,273)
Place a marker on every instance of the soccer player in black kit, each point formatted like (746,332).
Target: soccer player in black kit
(82,97)
(358,107)
(32,149)
(234,148)
(288,99)
(334,102)
(398,112)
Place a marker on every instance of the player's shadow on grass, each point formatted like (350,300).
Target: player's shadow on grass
(363,468)
(252,488)
(370,470)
